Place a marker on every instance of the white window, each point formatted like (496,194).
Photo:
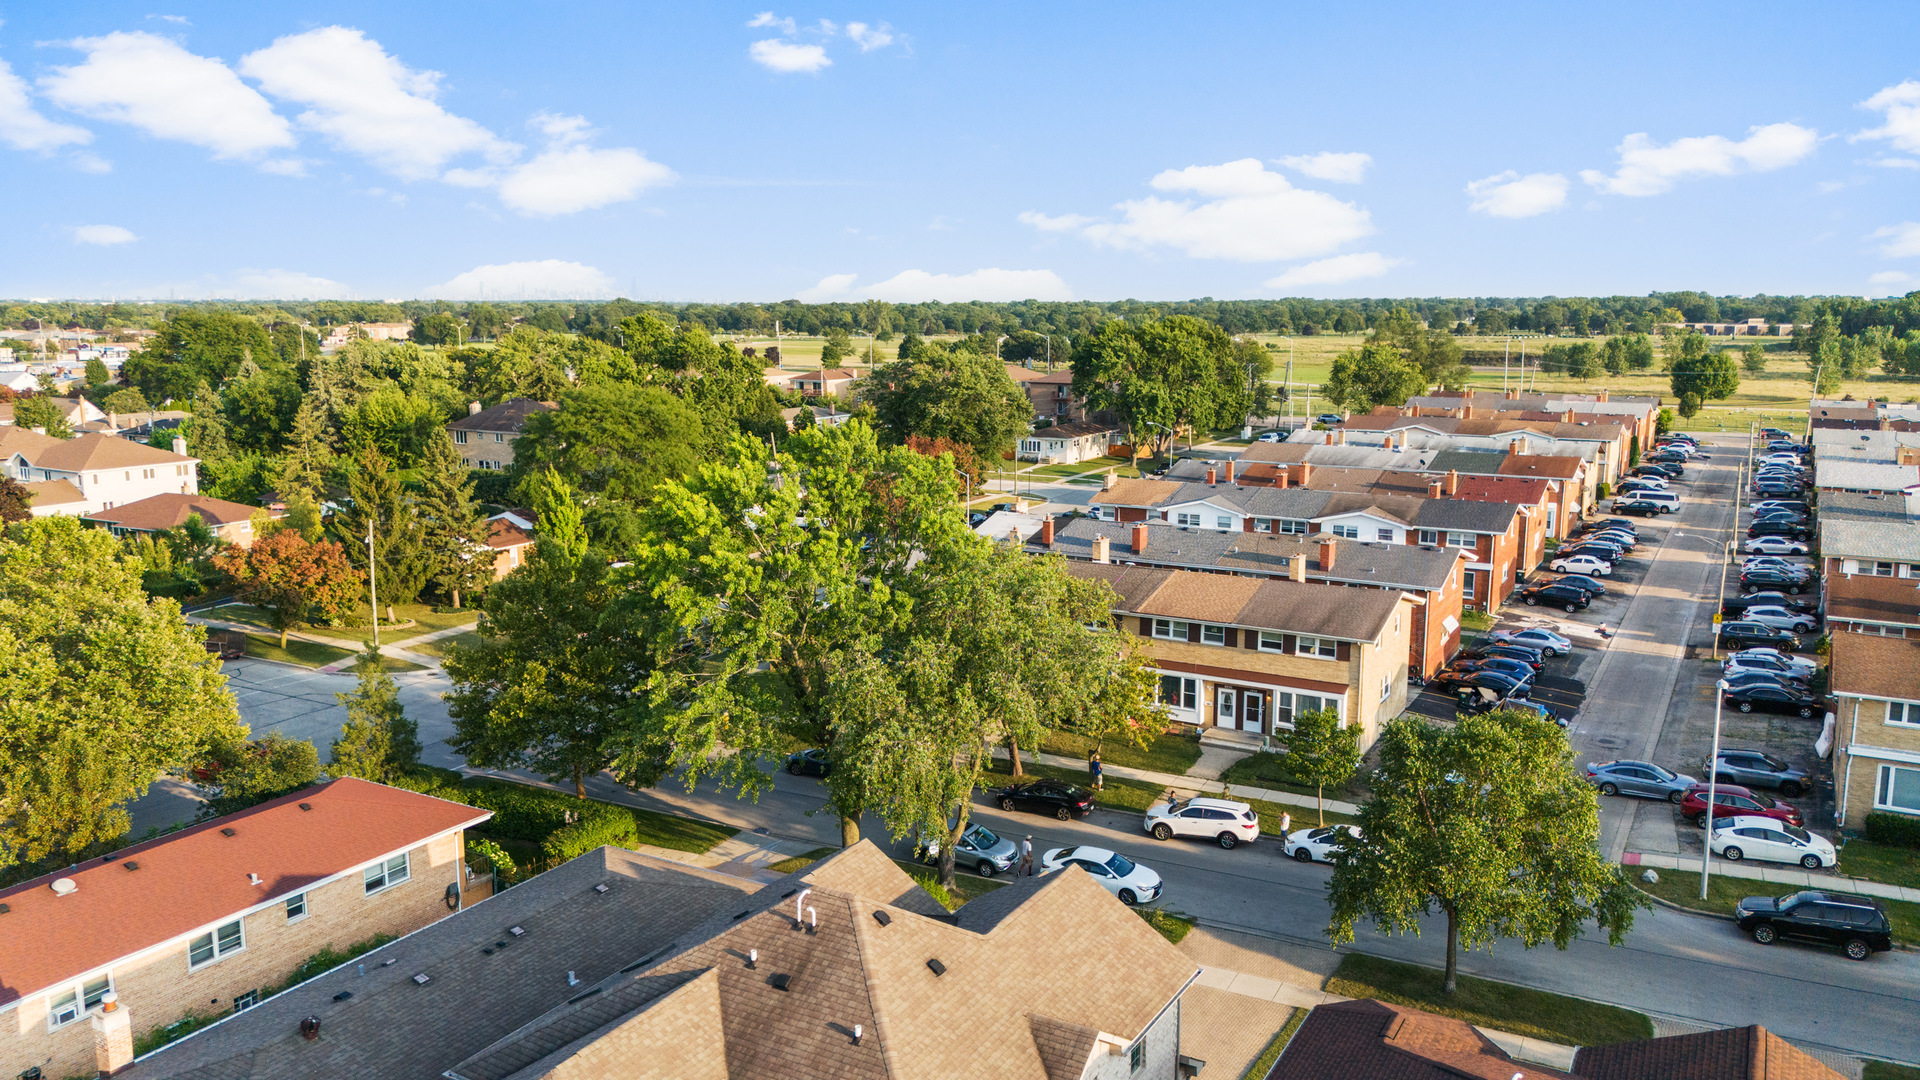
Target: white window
(1184,518)
(1386,688)
(1350,532)
(1213,635)
(65,1008)
(215,944)
(1879,569)
(296,907)
(1296,526)
(1223,523)
(1384,534)
(1289,705)
(1171,629)
(1466,585)
(1272,642)
(1313,646)
(1179,693)
(1430,536)
(1137,1055)
(1460,539)
(1898,789)
(460,437)
(385,875)
(1107,513)
(498,437)
(1903,713)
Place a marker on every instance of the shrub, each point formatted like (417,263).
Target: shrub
(1894,830)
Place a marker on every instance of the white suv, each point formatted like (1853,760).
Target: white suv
(1227,822)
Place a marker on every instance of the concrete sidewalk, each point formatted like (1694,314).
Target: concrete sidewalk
(1194,785)
(1776,876)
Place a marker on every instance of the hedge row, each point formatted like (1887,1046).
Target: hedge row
(1894,830)
(562,825)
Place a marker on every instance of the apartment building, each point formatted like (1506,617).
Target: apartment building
(1876,745)
(1872,534)
(210,919)
(484,437)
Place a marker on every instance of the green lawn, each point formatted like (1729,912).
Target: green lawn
(965,886)
(438,647)
(1173,754)
(1887,1070)
(800,862)
(1170,925)
(1270,771)
(1137,797)
(1477,621)
(313,654)
(1264,1063)
(1881,862)
(678,833)
(1502,1006)
(1682,887)
(426,620)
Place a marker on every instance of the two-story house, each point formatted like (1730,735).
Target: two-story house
(1876,744)
(839,382)
(1247,655)
(1430,576)
(106,471)
(484,437)
(230,521)
(208,920)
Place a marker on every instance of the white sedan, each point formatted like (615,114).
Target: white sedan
(1774,545)
(1119,875)
(1769,839)
(1581,564)
(1308,845)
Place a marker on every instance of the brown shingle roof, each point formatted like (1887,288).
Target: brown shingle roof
(1548,465)
(1071,429)
(1867,598)
(1186,594)
(54,493)
(1873,666)
(198,875)
(510,415)
(1372,1040)
(1748,1053)
(159,513)
(1141,492)
(503,534)
(1317,610)
(95,451)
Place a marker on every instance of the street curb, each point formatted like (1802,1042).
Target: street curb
(1665,903)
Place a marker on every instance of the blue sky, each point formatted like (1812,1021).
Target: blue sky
(714,152)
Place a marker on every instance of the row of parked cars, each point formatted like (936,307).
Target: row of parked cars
(1647,488)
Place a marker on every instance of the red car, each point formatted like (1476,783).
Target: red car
(1732,800)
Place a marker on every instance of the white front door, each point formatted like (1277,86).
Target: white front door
(1253,710)
(1224,714)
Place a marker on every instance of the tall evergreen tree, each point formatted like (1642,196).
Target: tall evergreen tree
(309,459)
(207,430)
(378,501)
(456,531)
(379,742)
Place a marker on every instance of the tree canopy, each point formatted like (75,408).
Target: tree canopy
(1374,374)
(612,440)
(954,394)
(194,347)
(1162,376)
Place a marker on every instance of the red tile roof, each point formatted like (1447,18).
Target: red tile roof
(198,876)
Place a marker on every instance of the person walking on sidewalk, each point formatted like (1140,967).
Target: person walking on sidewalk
(1094,773)
(1026,857)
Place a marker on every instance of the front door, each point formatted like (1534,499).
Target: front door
(1253,710)
(1224,714)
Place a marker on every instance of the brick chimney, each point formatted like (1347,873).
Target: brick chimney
(473,408)
(1046,532)
(1329,438)
(1326,556)
(1213,474)
(1306,473)
(1297,567)
(1281,480)
(1511,394)
(1433,489)
(1227,477)
(112,1035)
(1453,482)
(1140,538)
(1340,437)
(1518,446)
(1603,395)
(1110,481)
(1100,550)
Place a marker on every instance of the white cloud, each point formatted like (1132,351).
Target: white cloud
(103,235)
(1327,165)
(870,38)
(1891,277)
(369,103)
(1896,163)
(766,18)
(179,19)
(1244,212)
(282,285)
(1901,104)
(88,162)
(571,176)
(543,279)
(1511,195)
(785,56)
(1334,271)
(21,125)
(1902,240)
(151,83)
(1650,169)
(919,286)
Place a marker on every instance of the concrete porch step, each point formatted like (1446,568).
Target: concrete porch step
(1228,738)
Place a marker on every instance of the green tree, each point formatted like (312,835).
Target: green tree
(545,684)
(1321,751)
(258,404)
(41,412)
(126,402)
(293,579)
(194,347)
(379,742)
(1159,377)
(456,531)
(611,441)
(1753,360)
(1712,376)
(308,466)
(953,394)
(250,773)
(1689,405)
(1639,352)
(80,636)
(438,328)
(97,375)
(378,503)
(16,502)
(1826,368)
(1374,374)
(486,320)
(1488,821)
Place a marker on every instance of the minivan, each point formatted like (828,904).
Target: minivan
(1667,501)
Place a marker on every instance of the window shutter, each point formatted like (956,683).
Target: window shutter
(1193,632)
(1233,640)
(1288,644)
(1342,650)
(1250,638)
(1146,627)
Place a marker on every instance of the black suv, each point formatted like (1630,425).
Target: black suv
(1795,530)
(1746,635)
(1791,582)
(1556,595)
(1856,924)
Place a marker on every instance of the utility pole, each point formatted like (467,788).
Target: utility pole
(373,592)
(1505,360)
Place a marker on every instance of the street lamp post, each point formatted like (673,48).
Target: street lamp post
(1706,856)
(373,592)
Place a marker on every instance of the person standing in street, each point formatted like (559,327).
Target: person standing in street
(1026,857)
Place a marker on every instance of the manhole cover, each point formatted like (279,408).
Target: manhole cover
(1611,742)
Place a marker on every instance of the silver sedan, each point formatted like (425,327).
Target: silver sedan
(1638,778)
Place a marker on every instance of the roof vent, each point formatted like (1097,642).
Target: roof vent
(131,865)
(600,888)
(516,931)
(882,918)
(421,978)
(253,879)
(226,832)
(343,995)
(4,908)
(779,982)
(937,968)
(64,887)
(306,806)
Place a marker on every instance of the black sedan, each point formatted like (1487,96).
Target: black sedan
(1790,529)
(1556,595)
(809,763)
(1465,683)
(1590,586)
(1746,635)
(1598,524)
(1057,797)
(1775,580)
(1525,655)
(1745,680)
(1774,699)
(1513,669)
(1734,606)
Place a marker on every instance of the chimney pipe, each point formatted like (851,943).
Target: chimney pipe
(1228,478)
(1297,567)
(1100,550)
(1326,556)
(1453,482)
(800,903)
(473,408)
(112,1035)
(1433,489)
(1139,539)
(1213,475)
(1046,532)
(1108,484)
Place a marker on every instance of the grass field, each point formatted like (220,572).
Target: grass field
(424,618)
(1502,1006)
(801,862)
(1881,862)
(1682,887)
(678,833)
(438,647)
(313,654)
(1166,753)
(965,886)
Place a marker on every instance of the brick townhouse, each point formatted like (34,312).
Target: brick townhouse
(1246,655)
(1873,534)
(207,920)
(1492,533)
(484,437)
(1429,576)
(1876,751)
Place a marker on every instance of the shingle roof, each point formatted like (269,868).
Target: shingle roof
(1467,462)
(1747,1053)
(1318,610)
(1869,665)
(54,493)
(198,875)
(1866,598)
(1554,465)
(503,534)
(1371,1040)
(510,415)
(96,451)
(1864,476)
(158,513)
(1855,525)
(1072,429)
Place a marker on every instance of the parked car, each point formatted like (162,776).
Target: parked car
(1598,549)
(1757,768)
(1772,562)
(1780,618)
(1791,582)
(1776,543)
(1273,436)
(1764,838)
(1510,652)
(1672,470)
(1634,487)
(981,850)
(1638,778)
(1581,564)
(1311,845)
(1560,596)
(1057,797)
(1732,800)
(1464,683)
(1787,529)
(809,763)
(1855,923)
(1733,670)
(1331,418)
(1776,489)
(1746,680)
(1774,699)
(1734,605)
(1798,506)
(1776,433)
(1598,524)
(1582,581)
(1534,637)
(1642,507)
(1783,659)
(1741,634)
(1223,821)
(1119,875)
(1617,537)
(1518,670)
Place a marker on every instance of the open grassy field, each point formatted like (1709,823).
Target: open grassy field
(312,653)
(1501,1006)
(423,616)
